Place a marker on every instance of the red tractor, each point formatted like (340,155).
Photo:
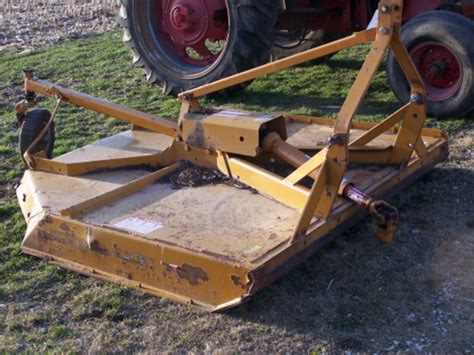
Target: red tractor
(182,44)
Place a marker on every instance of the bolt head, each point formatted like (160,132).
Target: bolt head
(416,98)
(384,30)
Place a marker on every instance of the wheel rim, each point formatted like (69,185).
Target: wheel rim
(440,69)
(193,32)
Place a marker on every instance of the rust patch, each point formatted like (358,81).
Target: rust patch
(197,138)
(192,274)
(237,281)
(64,227)
(96,248)
(131,257)
(46,220)
(46,236)
(65,239)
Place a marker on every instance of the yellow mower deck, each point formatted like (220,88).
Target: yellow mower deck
(290,183)
(212,246)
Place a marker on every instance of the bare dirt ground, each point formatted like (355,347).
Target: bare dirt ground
(26,25)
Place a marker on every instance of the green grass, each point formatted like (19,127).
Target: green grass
(46,309)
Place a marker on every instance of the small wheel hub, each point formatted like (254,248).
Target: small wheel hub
(181,17)
(186,21)
(440,69)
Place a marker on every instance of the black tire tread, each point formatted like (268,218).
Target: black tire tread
(34,123)
(251,46)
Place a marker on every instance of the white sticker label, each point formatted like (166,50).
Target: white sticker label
(138,225)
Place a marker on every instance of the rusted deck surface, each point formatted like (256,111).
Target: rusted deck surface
(218,219)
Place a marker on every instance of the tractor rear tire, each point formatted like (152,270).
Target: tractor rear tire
(249,42)
(440,44)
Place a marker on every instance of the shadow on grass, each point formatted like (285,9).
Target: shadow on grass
(356,289)
(262,100)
